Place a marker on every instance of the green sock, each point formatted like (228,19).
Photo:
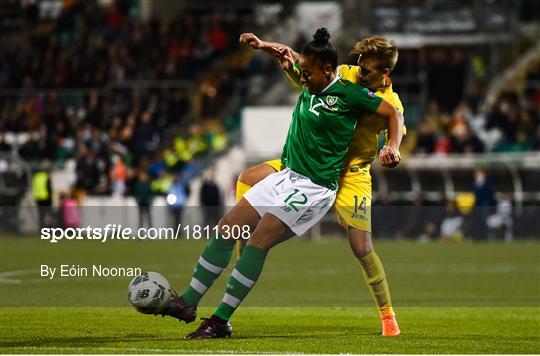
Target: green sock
(243,277)
(213,261)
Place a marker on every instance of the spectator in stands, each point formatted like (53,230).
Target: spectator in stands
(177,198)
(118,176)
(425,142)
(210,199)
(70,215)
(162,183)
(505,118)
(157,165)
(502,218)
(473,96)
(145,134)
(217,37)
(452,225)
(434,118)
(516,119)
(463,141)
(143,195)
(42,192)
(525,130)
(4,146)
(484,201)
(87,171)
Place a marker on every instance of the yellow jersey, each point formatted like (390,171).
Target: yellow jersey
(364,144)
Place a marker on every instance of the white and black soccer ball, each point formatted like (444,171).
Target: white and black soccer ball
(149,292)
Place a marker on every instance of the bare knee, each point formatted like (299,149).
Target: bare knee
(360,242)
(269,232)
(255,174)
(223,225)
(238,231)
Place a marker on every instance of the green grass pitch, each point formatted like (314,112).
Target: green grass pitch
(311,298)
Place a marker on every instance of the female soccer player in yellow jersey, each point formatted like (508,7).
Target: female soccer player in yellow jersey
(377,57)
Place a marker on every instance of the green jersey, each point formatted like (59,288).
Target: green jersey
(322,127)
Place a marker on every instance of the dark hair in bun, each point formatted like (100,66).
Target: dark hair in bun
(320,49)
(322,35)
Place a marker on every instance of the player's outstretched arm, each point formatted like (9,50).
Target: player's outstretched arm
(250,39)
(276,50)
(389,155)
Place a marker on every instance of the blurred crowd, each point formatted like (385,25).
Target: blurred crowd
(91,46)
(455,120)
(110,136)
(119,96)
(511,125)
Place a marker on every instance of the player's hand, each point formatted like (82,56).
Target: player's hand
(249,39)
(389,157)
(286,58)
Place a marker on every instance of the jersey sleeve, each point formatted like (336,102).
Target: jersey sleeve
(393,99)
(362,100)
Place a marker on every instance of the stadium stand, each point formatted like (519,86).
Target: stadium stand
(94,83)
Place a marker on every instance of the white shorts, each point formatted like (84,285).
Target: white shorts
(292,198)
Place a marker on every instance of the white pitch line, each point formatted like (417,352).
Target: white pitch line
(5,277)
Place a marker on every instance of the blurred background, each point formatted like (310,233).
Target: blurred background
(153,106)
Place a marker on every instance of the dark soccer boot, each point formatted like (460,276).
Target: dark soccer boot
(177,308)
(212,328)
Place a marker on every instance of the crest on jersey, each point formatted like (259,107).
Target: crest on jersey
(331,100)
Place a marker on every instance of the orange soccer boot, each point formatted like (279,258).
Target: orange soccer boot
(389,325)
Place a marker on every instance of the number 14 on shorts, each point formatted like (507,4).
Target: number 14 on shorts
(295,199)
(360,210)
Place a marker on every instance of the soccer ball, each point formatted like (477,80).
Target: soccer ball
(149,292)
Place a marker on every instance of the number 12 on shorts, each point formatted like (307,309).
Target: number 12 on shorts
(298,199)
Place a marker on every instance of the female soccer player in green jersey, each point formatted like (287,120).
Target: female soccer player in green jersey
(288,202)
(377,57)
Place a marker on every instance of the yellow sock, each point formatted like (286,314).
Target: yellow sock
(240,244)
(241,189)
(376,280)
